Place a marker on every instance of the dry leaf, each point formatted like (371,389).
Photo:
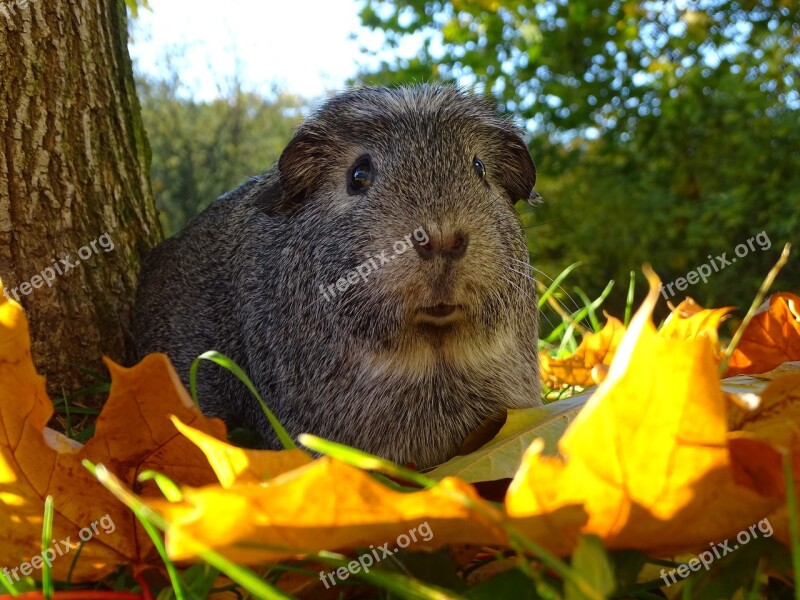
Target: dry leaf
(325,505)
(595,349)
(240,465)
(686,308)
(776,424)
(771,338)
(689,320)
(328,505)
(133,434)
(648,457)
(777,418)
(500,457)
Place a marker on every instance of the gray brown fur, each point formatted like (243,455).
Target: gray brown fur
(244,278)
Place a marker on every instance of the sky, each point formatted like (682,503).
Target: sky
(303,46)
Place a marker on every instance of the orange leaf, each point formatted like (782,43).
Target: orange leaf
(771,338)
(232,464)
(327,505)
(133,433)
(775,424)
(648,457)
(324,505)
(689,320)
(595,349)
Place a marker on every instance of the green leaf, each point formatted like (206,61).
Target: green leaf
(511,584)
(133,5)
(591,562)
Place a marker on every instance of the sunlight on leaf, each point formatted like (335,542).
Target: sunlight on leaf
(647,458)
(595,349)
(771,338)
(133,434)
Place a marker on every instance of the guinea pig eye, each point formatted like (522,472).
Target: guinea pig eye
(361,175)
(477,164)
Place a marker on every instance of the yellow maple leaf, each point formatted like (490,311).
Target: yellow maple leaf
(648,456)
(233,465)
(329,505)
(324,505)
(688,320)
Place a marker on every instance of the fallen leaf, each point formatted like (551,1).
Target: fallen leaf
(132,434)
(777,418)
(500,458)
(775,423)
(771,338)
(689,320)
(595,349)
(686,308)
(647,458)
(328,505)
(232,464)
(324,505)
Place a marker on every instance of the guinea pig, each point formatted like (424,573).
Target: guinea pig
(374,284)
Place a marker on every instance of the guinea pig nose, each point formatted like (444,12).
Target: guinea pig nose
(452,246)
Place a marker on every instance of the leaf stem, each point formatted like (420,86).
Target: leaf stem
(757,301)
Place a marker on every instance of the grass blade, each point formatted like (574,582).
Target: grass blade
(241,575)
(629,299)
(145,518)
(225,362)
(794,518)
(757,301)
(47,535)
(363,460)
(556,283)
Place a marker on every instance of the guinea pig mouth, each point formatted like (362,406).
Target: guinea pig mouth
(439,314)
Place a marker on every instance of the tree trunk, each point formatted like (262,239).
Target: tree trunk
(76,208)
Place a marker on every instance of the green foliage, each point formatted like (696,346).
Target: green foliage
(133,6)
(663,132)
(200,149)
(573,65)
(591,560)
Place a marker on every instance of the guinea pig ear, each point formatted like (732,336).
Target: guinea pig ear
(300,165)
(290,182)
(518,173)
(298,170)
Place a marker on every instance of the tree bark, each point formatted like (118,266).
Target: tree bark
(74,181)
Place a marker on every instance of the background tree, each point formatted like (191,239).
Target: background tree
(663,131)
(74,166)
(202,149)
